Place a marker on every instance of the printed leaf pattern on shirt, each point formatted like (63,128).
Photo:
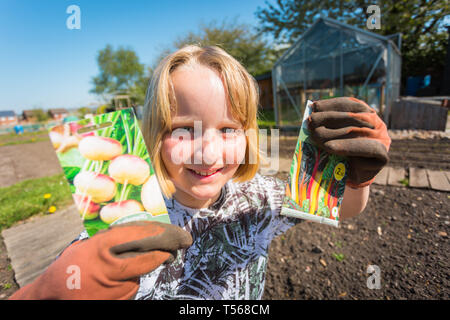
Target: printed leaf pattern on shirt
(228,257)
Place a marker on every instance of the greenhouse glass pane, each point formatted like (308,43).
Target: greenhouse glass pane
(332,59)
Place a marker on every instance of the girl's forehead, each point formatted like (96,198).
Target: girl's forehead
(200,93)
(196,79)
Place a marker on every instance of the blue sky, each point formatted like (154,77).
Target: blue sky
(44,64)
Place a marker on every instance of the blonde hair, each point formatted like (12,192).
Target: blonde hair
(243,97)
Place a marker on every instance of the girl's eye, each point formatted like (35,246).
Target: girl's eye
(182,132)
(184,129)
(228,130)
(231,132)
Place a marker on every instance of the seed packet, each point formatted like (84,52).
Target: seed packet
(109,171)
(316,182)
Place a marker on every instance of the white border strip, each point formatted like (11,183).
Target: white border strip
(308,216)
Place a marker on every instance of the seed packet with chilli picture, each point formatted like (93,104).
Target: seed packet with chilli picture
(109,171)
(316,182)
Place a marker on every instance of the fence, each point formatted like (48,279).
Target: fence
(413,114)
(29,127)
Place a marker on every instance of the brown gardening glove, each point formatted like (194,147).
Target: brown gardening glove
(109,263)
(350,128)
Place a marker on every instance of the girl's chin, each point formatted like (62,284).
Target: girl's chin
(189,196)
(204,194)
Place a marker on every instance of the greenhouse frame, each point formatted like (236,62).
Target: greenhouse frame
(333,59)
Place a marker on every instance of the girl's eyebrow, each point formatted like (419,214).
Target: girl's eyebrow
(190,119)
(184,119)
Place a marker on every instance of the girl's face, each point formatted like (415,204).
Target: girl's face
(206,144)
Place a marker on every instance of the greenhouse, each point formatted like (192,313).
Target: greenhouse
(333,59)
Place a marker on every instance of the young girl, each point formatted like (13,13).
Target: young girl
(200,125)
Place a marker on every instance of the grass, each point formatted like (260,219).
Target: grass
(25,199)
(26,137)
(266,118)
(23,141)
(405,182)
(339,256)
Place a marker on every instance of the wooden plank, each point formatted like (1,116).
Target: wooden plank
(420,118)
(447,173)
(33,245)
(395,175)
(394,112)
(443,113)
(434,121)
(411,115)
(382,177)
(7,173)
(438,180)
(418,178)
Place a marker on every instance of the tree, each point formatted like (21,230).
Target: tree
(238,39)
(40,114)
(82,111)
(421,22)
(120,73)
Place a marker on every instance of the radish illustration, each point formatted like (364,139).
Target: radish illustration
(151,197)
(113,211)
(87,208)
(99,149)
(98,187)
(61,138)
(128,169)
(56,138)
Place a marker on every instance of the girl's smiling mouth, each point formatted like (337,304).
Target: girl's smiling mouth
(204,174)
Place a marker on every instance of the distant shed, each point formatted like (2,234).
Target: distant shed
(58,113)
(265,90)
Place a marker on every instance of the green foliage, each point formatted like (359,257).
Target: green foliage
(266,118)
(25,199)
(6,286)
(339,256)
(83,111)
(94,226)
(120,73)
(333,160)
(238,39)
(102,109)
(41,115)
(305,205)
(424,38)
(323,210)
(404,182)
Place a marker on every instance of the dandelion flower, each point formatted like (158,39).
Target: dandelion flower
(52,209)
(47,196)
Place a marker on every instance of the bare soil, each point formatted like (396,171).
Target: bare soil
(403,231)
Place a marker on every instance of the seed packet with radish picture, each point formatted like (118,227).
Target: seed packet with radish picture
(316,182)
(109,171)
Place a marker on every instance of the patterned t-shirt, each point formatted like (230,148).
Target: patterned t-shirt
(231,239)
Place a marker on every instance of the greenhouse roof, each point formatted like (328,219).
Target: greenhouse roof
(328,37)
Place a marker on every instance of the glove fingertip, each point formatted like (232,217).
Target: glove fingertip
(185,240)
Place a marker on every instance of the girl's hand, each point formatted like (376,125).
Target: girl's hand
(350,128)
(109,264)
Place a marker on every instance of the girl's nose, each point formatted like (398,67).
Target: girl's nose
(210,150)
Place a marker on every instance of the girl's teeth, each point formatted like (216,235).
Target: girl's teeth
(204,173)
